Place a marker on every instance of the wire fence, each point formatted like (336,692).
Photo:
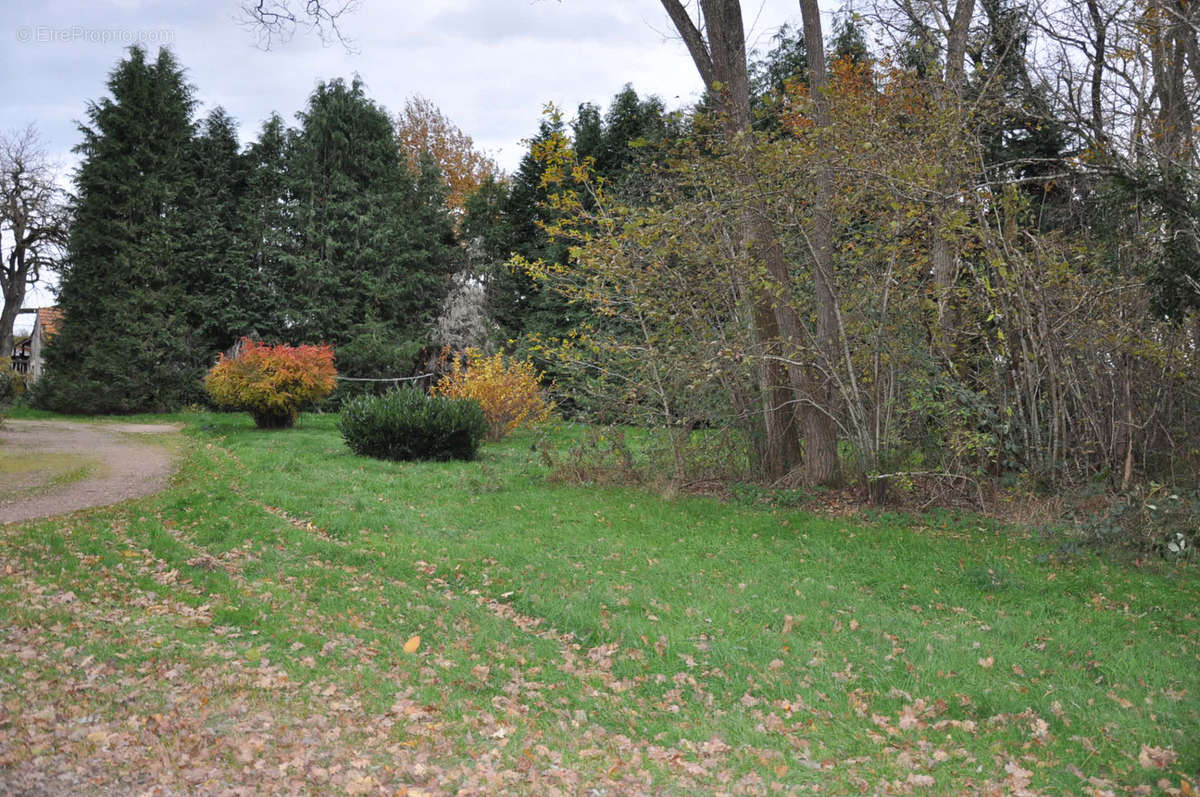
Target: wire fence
(392,379)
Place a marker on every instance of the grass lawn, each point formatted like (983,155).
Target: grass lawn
(291,617)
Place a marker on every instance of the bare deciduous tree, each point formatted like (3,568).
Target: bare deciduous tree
(33,223)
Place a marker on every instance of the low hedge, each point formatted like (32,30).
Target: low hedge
(407,424)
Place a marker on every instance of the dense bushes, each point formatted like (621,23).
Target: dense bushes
(406,424)
(508,390)
(1154,520)
(12,385)
(272,383)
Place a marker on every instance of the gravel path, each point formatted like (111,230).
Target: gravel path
(125,465)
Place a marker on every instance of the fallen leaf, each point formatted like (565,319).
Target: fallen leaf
(413,643)
(360,784)
(1156,757)
(1019,777)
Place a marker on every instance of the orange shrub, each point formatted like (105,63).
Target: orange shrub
(272,383)
(508,390)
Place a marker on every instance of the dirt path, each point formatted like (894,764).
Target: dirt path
(85,465)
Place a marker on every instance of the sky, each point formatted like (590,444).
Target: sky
(489,65)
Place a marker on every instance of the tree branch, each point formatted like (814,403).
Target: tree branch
(277,21)
(694,41)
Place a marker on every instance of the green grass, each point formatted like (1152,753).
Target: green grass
(578,636)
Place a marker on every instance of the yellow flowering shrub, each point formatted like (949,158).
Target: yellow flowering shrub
(509,391)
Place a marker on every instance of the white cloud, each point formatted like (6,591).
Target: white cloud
(490,65)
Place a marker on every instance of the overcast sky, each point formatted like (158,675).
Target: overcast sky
(490,65)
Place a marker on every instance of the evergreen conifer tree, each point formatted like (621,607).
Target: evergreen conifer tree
(271,246)
(124,342)
(217,279)
(512,225)
(375,241)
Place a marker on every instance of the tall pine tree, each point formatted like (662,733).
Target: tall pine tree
(512,225)
(375,242)
(220,287)
(503,220)
(271,246)
(124,344)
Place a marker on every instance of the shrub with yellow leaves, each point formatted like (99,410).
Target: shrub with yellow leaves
(509,390)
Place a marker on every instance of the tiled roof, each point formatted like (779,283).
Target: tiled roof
(49,319)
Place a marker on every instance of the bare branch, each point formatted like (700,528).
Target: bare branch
(33,222)
(276,21)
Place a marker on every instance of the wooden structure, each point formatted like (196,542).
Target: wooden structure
(27,351)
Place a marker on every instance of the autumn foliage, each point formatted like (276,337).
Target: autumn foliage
(272,383)
(509,391)
(421,128)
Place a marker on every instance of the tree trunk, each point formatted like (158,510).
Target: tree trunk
(1168,50)
(956,47)
(1099,54)
(8,318)
(721,62)
(779,451)
(820,431)
(14,285)
(1127,471)
(942,255)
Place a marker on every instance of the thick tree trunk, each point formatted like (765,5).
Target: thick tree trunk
(956,46)
(778,329)
(14,276)
(8,317)
(820,431)
(1172,42)
(779,451)
(721,62)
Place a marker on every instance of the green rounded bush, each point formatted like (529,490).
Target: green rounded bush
(406,424)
